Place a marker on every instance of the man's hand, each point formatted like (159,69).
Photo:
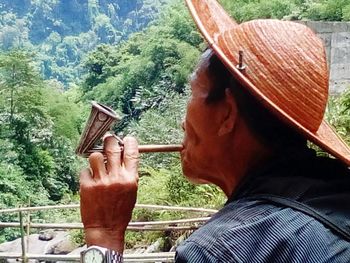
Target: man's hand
(108,193)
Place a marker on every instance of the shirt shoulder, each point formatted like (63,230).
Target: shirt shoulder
(252,231)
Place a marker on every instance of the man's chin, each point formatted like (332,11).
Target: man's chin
(193,177)
(197,180)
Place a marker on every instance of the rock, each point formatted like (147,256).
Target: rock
(65,246)
(74,252)
(46,235)
(77,250)
(155,247)
(59,244)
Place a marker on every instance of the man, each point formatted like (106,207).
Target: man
(258,94)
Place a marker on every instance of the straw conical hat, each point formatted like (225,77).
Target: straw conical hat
(284,66)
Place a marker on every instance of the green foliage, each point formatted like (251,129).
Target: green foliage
(180,25)
(338,113)
(161,125)
(167,186)
(77,237)
(62,31)
(38,125)
(13,188)
(244,10)
(141,239)
(15,191)
(147,69)
(14,31)
(328,10)
(64,109)
(346,12)
(34,122)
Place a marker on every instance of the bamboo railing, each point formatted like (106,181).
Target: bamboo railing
(25,225)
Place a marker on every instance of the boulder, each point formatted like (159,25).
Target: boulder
(48,242)
(47,235)
(64,247)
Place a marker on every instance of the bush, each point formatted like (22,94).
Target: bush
(338,113)
(328,10)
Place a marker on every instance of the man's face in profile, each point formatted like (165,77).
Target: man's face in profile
(201,127)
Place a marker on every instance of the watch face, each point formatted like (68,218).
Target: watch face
(93,255)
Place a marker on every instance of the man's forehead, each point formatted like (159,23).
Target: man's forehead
(202,65)
(205,59)
(199,76)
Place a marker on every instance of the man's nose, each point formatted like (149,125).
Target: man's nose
(183,125)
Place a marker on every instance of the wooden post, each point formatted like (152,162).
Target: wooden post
(28,229)
(24,257)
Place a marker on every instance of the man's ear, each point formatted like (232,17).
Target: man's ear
(229,114)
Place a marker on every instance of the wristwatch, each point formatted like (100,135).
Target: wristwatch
(96,254)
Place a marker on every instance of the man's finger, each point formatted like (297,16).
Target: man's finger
(97,165)
(85,177)
(131,155)
(113,152)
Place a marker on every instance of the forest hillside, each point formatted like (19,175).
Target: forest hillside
(62,32)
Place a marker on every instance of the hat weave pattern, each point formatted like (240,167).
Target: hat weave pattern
(287,67)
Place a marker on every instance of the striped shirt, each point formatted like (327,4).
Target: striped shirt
(251,229)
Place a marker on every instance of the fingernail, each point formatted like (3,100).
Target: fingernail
(120,141)
(108,134)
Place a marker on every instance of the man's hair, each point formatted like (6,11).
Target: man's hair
(267,127)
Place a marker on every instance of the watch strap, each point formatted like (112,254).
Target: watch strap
(113,256)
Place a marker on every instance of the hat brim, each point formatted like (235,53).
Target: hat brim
(212,20)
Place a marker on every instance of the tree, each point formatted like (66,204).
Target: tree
(34,121)
(19,83)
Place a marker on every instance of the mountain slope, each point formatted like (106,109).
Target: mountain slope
(61,32)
